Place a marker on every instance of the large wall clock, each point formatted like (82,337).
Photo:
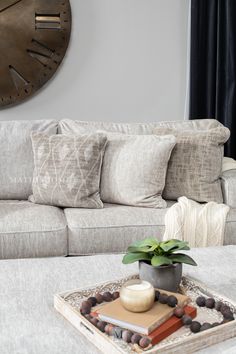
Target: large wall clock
(34,36)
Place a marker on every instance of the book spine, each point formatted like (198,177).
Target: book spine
(170,326)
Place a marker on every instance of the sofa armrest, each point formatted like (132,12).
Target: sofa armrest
(228,184)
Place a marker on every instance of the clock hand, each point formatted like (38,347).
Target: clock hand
(8,4)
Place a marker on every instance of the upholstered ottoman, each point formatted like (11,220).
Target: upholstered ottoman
(30,325)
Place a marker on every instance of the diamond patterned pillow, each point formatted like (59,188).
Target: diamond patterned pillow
(67,169)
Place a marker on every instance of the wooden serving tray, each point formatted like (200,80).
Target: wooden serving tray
(182,341)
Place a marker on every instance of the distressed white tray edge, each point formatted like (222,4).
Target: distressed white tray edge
(188,345)
(96,337)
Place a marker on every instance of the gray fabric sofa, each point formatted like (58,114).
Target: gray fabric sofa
(31,230)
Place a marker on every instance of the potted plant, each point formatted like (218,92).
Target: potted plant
(160,263)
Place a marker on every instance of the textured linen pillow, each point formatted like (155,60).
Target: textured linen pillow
(67,169)
(195,165)
(134,169)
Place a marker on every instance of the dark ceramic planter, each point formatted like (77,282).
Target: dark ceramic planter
(164,277)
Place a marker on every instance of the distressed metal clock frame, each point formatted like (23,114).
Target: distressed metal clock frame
(34,36)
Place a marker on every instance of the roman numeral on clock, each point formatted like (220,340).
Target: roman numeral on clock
(48,21)
(19,81)
(40,52)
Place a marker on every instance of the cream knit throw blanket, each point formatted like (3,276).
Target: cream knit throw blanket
(202,225)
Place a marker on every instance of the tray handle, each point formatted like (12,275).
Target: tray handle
(86,327)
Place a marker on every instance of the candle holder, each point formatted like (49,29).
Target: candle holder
(137,295)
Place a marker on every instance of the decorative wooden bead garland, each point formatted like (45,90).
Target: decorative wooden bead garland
(142,341)
(126,335)
(210,303)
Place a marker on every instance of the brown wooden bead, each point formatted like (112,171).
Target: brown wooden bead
(205,326)
(99,298)
(94,321)
(115,295)
(215,324)
(172,301)
(111,329)
(86,304)
(126,336)
(163,298)
(101,325)
(201,301)
(224,308)
(108,329)
(228,315)
(218,305)
(85,308)
(107,296)
(92,300)
(187,320)
(210,303)
(144,342)
(179,312)
(135,338)
(195,327)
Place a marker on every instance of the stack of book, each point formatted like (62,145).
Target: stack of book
(157,323)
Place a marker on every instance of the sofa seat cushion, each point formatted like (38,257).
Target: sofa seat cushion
(30,230)
(111,229)
(114,228)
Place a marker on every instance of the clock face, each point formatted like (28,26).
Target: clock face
(34,35)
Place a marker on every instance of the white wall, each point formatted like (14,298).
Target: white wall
(126,62)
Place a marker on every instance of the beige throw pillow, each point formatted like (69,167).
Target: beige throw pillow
(195,165)
(134,169)
(67,169)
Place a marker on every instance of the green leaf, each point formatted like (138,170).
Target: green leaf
(182,258)
(160,260)
(174,245)
(146,249)
(134,257)
(150,242)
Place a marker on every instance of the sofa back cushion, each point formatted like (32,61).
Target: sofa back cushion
(195,164)
(16,156)
(83,127)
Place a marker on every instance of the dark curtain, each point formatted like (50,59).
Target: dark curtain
(213,64)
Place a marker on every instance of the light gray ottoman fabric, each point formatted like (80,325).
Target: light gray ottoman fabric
(30,230)
(30,325)
(113,228)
